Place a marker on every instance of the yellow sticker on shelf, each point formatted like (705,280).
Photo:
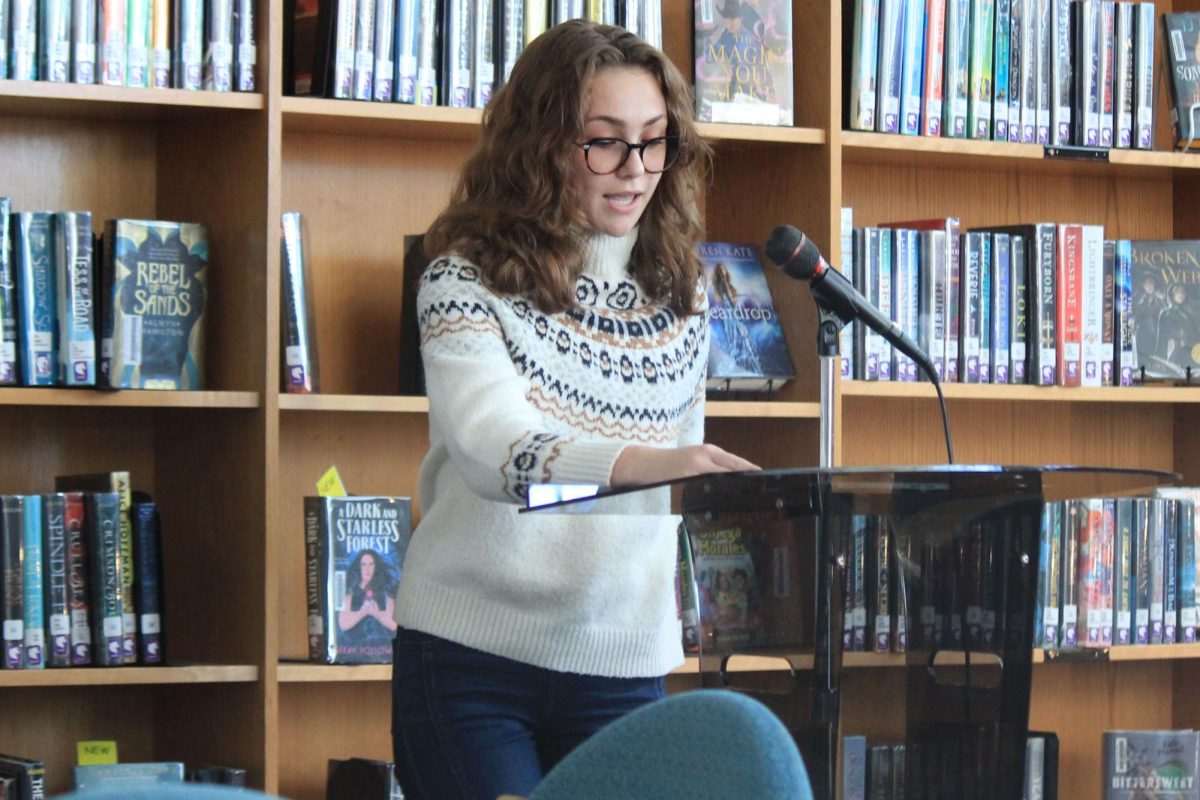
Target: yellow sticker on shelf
(96,753)
(330,484)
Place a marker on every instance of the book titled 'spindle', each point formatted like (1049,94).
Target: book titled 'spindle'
(747,349)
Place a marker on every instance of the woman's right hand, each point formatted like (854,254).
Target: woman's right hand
(639,464)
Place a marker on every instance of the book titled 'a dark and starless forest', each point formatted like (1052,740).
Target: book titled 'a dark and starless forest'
(747,350)
(354,547)
(155,277)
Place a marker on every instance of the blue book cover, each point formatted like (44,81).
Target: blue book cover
(131,776)
(35,622)
(33,262)
(747,349)
(355,550)
(911,85)
(147,587)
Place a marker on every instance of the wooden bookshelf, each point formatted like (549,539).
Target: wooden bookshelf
(230,464)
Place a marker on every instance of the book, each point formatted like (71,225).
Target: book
(30,775)
(355,550)
(862,66)
(132,776)
(1182,31)
(8,286)
(727,587)
(154,298)
(743,61)
(188,54)
(215,773)
(12,579)
(747,349)
(1151,764)
(148,581)
(361,779)
(1166,306)
(75,298)
(33,264)
(56,579)
(103,532)
(78,579)
(34,585)
(687,597)
(298,336)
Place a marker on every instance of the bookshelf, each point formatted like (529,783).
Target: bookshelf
(229,465)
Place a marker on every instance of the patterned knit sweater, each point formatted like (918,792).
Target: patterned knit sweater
(519,397)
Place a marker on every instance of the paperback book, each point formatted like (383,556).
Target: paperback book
(743,61)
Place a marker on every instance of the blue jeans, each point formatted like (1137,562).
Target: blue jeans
(467,725)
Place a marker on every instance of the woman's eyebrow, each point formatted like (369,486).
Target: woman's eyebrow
(618,122)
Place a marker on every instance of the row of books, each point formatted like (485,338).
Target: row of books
(188,44)
(125,313)
(1054,72)
(1118,571)
(80,574)
(354,552)
(874,770)
(1043,303)
(23,778)
(451,53)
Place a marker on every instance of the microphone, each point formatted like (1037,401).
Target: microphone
(799,258)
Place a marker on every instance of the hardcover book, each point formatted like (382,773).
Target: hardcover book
(728,589)
(132,776)
(33,263)
(155,286)
(747,349)
(743,61)
(12,579)
(75,297)
(8,289)
(1182,30)
(1151,764)
(298,337)
(30,775)
(1166,306)
(355,551)
(56,577)
(148,581)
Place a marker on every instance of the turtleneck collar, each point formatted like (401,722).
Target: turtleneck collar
(607,257)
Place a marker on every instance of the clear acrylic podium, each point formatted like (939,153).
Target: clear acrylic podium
(965,544)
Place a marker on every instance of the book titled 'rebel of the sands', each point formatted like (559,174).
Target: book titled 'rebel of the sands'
(1151,765)
(747,350)
(154,284)
(354,548)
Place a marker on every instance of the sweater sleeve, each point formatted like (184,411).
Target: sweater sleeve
(478,400)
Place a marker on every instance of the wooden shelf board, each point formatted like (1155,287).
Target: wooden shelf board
(129,676)
(724,132)
(290,672)
(132,398)
(977,391)
(883,148)
(78,101)
(362,118)
(762,408)
(386,404)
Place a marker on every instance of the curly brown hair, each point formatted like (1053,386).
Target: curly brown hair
(513,213)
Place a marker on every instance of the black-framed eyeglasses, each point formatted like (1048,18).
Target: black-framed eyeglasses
(605,155)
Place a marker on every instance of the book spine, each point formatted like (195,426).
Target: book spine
(137,43)
(1001,306)
(364,50)
(1106,61)
(1156,556)
(160,44)
(427,60)
(1019,313)
(956,81)
(108,299)
(1017,65)
(189,45)
(1047,627)
(987,271)
(858,361)
(863,65)
(1061,81)
(537,15)
(934,51)
(456,50)
(12,579)
(384,53)
(1070,284)
(953,312)
(881,572)
(124,491)
(83,41)
(1123,573)
(75,298)
(1123,76)
(1141,570)
(1043,304)
(968,304)
(1072,513)
(979,97)
(1092,304)
(246,52)
(884,299)
(859,538)
(512,34)
(1187,571)
(55,40)
(870,289)
(147,550)
(1170,571)
(931,329)
(34,267)
(58,593)
(1108,318)
(1086,130)
(1000,74)
(408,37)
(689,594)
(1123,345)
(23,40)
(78,579)
(113,50)
(318,610)
(912,60)
(106,577)
(1143,71)
(483,61)
(4,41)
(1046,48)
(8,297)
(902,608)
(299,352)
(218,45)
(1031,64)
(34,585)
(903,275)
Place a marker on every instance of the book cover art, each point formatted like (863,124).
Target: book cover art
(1166,307)
(355,549)
(747,349)
(743,61)
(1151,765)
(1182,53)
(155,287)
(728,589)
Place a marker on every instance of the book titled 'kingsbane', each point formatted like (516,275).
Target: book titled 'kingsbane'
(354,549)
(747,350)
(155,284)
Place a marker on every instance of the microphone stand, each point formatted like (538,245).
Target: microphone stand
(829,325)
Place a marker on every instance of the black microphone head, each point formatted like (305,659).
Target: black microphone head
(793,252)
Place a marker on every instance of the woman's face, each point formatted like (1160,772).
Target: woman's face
(367,567)
(622,103)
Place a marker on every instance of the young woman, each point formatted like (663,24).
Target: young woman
(564,341)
